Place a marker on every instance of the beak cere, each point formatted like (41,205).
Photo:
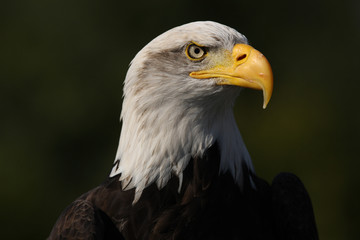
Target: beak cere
(247,68)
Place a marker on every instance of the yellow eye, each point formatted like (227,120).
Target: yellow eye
(195,52)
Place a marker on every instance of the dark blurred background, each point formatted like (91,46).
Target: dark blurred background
(61,73)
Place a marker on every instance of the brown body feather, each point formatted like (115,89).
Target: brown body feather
(209,206)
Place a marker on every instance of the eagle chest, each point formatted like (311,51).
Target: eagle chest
(209,206)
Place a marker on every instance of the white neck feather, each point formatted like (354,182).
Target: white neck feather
(159,136)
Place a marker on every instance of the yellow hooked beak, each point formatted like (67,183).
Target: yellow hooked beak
(244,67)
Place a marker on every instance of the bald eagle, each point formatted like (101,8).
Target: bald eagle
(182,170)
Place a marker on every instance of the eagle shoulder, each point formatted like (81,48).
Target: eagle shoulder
(82,220)
(292,209)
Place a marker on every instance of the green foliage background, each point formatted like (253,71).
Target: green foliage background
(62,64)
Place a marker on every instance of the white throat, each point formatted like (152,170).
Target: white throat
(159,137)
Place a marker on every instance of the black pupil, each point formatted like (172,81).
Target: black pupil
(197,50)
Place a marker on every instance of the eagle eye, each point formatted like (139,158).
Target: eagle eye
(195,52)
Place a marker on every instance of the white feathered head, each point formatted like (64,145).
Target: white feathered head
(178,97)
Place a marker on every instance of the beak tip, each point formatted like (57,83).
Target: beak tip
(265,105)
(266,97)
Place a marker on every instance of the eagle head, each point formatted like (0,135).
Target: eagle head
(179,93)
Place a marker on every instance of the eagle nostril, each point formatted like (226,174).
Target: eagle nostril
(241,57)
